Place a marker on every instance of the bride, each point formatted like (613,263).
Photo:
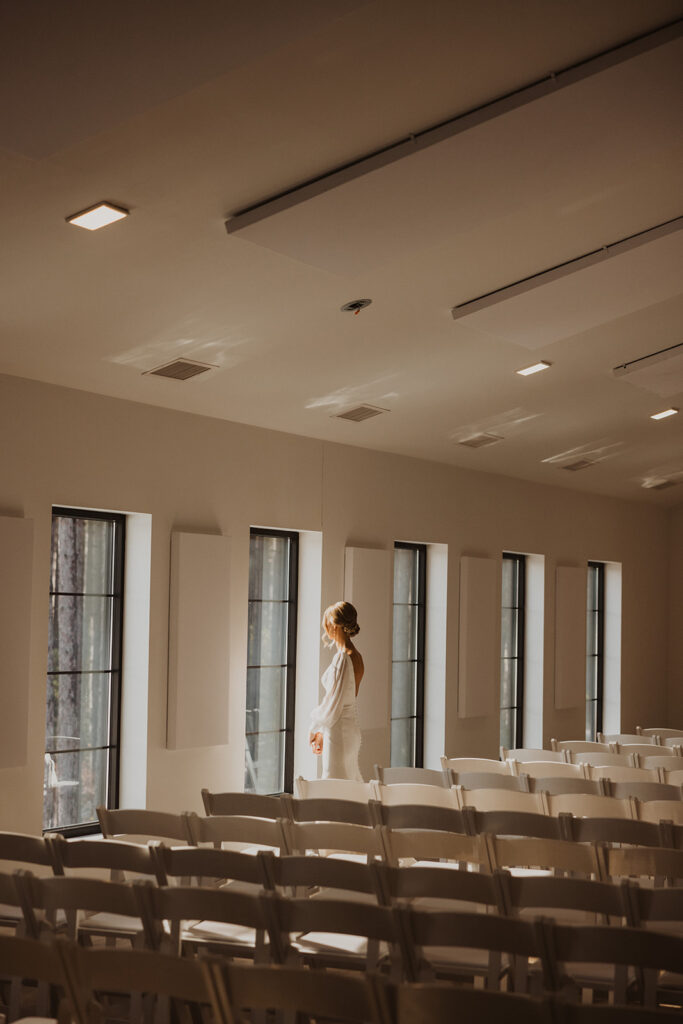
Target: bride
(334,730)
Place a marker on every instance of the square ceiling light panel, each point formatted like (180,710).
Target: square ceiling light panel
(98,216)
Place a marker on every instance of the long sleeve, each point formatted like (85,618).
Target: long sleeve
(330,708)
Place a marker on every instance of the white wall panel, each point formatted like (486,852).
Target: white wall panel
(199,626)
(570,636)
(368,585)
(479,665)
(16,563)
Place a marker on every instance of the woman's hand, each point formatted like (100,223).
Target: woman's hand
(316,741)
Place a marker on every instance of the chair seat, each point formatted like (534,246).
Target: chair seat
(462,959)
(220,931)
(105,923)
(332,942)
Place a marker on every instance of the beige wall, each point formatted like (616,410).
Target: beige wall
(675,674)
(198,474)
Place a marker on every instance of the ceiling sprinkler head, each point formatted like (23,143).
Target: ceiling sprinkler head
(355,306)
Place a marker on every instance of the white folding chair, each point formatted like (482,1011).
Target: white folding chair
(421,776)
(23,959)
(581,746)
(554,785)
(531,754)
(672,777)
(649,865)
(475,764)
(664,732)
(500,800)
(645,749)
(644,791)
(246,835)
(668,762)
(624,773)
(141,825)
(333,789)
(548,769)
(526,855)
(407,793)
(660,810)
(422,846)
(628,737)
(599,758)
(584,805)
(361,842)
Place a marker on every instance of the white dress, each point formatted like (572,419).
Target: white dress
(336,718)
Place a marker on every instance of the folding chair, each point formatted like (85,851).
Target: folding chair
(246,805)
(92,907)
(339,934)
(668,762)
(645,749)
(672,777)
(407,793)
(487,780)
(629,737)
(616,949)
(422,846)
(419,776)
(566,900)
(426,887)
(475,764)
(650,865)
(533,856)
(141,975)
(325,838)
(597,759)
(317,877)
(664,732)
(421,816)
(436,1002)
(237,833)
(207,920)
(660,810)
(141,825)
(457,941)
(320,809)
(513,823)
(531,754)
(500,800)
(17,852)
(112,858)
(23,959)
(556,785)
(548,769)
(623,773)
(586,806)
(354,999)
(581,746)
(611,830)
(333,789)
(206,866)
(643,791)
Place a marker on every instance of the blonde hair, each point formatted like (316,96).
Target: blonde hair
(343,615)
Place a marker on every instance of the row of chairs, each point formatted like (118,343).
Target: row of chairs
(587,752)
(486,851)
(408,938)
(454,769)
(233,993)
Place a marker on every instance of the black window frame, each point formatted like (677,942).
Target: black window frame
(599,655)
(520,608)
(421,550)
(292,619)
(118,519)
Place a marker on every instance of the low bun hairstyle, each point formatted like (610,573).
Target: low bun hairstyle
(343,615)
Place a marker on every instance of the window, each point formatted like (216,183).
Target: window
(408,655)
(595,646)
(84,668)
(271,661)
(512,652)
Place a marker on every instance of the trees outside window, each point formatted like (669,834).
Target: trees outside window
(512,651)
(271,661)
(84,668)
(408,655)
(595,648)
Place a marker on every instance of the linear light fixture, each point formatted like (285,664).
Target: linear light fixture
(97,216)
(536,368)
(663,414)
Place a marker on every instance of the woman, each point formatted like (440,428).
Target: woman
(334,730)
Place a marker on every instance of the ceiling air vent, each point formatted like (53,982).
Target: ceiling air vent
(180,369)
(573,467)
(360,413)
(480,440)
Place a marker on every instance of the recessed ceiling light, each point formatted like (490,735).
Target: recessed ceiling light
(663,415)
(536,368)
(97,216)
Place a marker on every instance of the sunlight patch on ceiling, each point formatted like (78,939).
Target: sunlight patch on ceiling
(502,425)
(221,353)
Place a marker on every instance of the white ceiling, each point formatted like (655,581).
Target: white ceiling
(189,113)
